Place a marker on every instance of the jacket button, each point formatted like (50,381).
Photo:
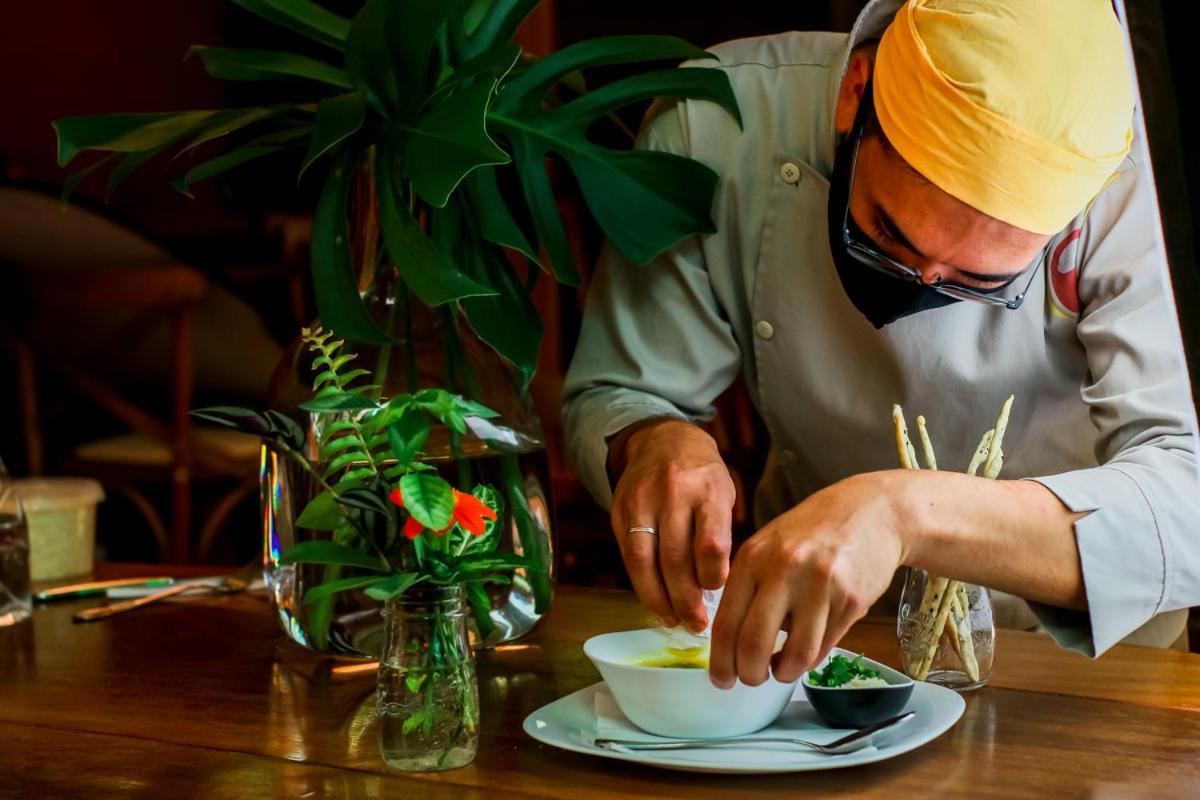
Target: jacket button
(764,329)
(790,173)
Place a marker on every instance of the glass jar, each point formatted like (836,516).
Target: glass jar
(946,630)
(427,692)
(15,601)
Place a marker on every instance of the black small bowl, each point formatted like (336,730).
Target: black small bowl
(858,707)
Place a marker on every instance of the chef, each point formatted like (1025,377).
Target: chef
(945,207)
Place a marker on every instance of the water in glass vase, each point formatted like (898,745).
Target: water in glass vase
(14,570)
(349,624)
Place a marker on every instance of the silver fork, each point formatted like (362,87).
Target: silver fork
(847,744)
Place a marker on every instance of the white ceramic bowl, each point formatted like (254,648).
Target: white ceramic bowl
(680,703)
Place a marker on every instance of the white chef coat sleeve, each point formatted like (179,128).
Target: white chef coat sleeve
(654,341)
(1139,544)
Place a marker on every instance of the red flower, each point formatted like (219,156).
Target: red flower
(469,511)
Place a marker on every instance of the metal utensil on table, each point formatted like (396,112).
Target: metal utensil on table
(847,744)
(228,584)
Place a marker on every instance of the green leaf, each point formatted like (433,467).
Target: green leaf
(498,24)
(430,277)
(412,31)
(529,156)
(229,122)
(241,64)
(303,17)
(335,285)
(407,435)
(77,177)
(481,607)
(393,586)
(368,59)
(498,62)
(339,401)
(321,551)
(644,201)
(493,500)
(224,163)
(321,513)
(602,51)
(345,584)
(492,215)
(429,499)
(507,322)
(412,722)
(450,141)
(338,118)
(473,409)
(487,562)
(124,133)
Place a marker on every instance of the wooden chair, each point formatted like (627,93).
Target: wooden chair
(149,292)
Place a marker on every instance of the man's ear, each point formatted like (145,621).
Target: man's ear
(854,83)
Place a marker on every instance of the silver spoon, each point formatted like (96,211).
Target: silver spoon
(847,744)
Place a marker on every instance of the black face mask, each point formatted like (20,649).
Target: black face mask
(881,298)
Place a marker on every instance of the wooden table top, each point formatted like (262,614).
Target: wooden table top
(205,698)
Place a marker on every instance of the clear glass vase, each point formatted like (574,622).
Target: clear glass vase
(427,692)
(15,602)
(946,630)
(433,348)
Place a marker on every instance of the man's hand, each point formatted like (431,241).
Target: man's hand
(813,571)
(672,479)
(817,569)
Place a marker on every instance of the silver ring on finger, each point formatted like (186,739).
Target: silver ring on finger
(642,529)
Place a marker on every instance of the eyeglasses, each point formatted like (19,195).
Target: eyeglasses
(869,256)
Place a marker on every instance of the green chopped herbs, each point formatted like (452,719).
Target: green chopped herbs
(840,671)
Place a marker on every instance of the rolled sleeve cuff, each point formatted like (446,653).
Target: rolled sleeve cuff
(589,446)
(1121,553)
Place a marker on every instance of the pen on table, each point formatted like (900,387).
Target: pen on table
(77,590)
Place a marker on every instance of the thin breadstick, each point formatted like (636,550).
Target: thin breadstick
(952,629)
(904,448)
(981,453)
(998,437)
(939,625)
(926,444)
(963,628)
(992,470)
(965,646)
(931,604)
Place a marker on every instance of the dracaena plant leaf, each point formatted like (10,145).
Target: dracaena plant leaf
(645,202)
(388,51)
(338,302)
(337,119)
(492,215)
(238,64)
(266,145)
(303,17)
(125,133)
(488,22)
(448,142)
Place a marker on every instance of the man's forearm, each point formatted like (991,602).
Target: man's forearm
(1015,536)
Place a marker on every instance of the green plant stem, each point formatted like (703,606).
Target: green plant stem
(412,379)
(385,352)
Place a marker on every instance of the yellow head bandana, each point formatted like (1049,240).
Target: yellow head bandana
(1020,108)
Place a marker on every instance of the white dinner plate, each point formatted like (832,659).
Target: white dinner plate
(570,723)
